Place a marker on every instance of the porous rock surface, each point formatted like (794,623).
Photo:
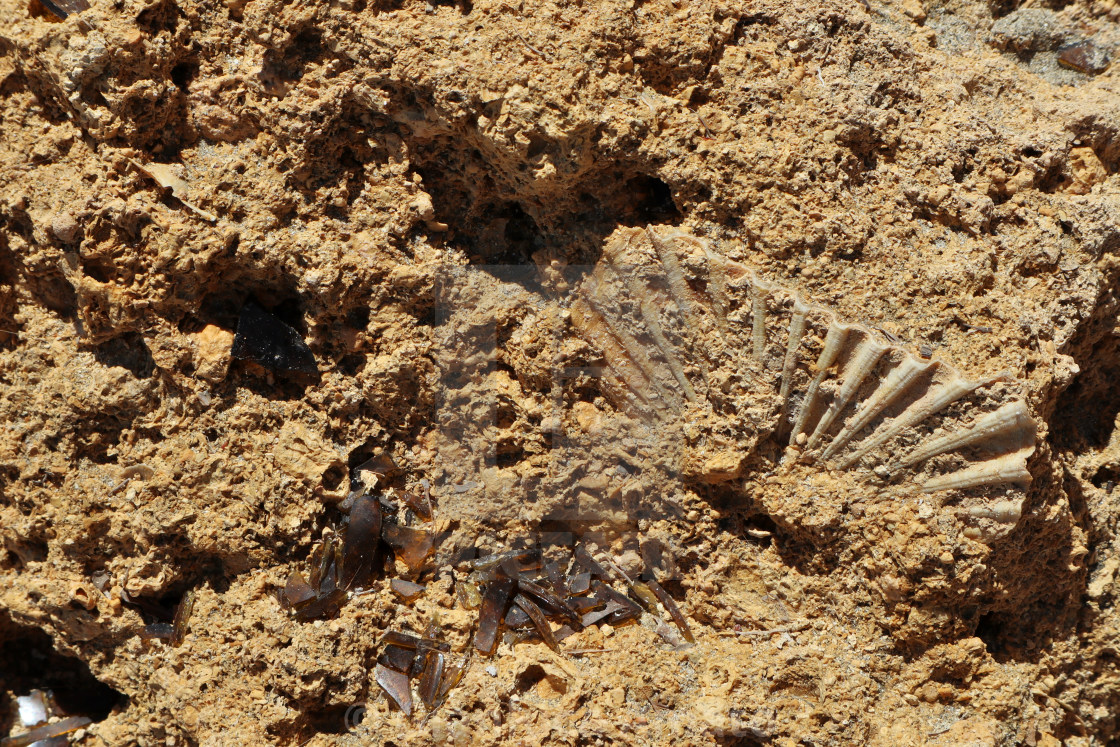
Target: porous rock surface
(418,189)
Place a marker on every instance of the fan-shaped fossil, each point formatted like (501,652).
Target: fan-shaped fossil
(703,353)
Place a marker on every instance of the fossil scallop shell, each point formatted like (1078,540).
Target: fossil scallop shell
(690,338)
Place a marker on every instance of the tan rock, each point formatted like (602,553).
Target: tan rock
(1086,170)
(305,455)
(213,345)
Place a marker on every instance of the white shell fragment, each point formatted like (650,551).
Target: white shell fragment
(166,177)
(893,386)
(1008,468)
(863,360)
(689,337)
(1011,421)
(1004,512)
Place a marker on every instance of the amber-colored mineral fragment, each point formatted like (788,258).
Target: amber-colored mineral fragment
(379,467)
(396,638)
(512,569)
(421,506)
(406,590)
(360,543)
(1084,57)
(517,617)
(583,605)
(324,606)
(524,558)
(524,635)
(627,608)
(451,678)
(397,657)
(540,622)
(411,546)
(555,579)
(589,564)
(598,615)
(469,593)
(674,611)
(297,591)
(180,624)
(323,559)
(43,733)
(407,640)
(494,604)
(579,584)
(395,685)
(555,603)
(160,631)
(328,573)
(431,677)
(644,595)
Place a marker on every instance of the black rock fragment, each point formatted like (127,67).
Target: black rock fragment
(265,339)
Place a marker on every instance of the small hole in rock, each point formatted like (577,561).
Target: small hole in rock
(331,720)
(333,477)
(31,661)
(358,318)
(651,201)
(530,676)
(128,351)
(183,73)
